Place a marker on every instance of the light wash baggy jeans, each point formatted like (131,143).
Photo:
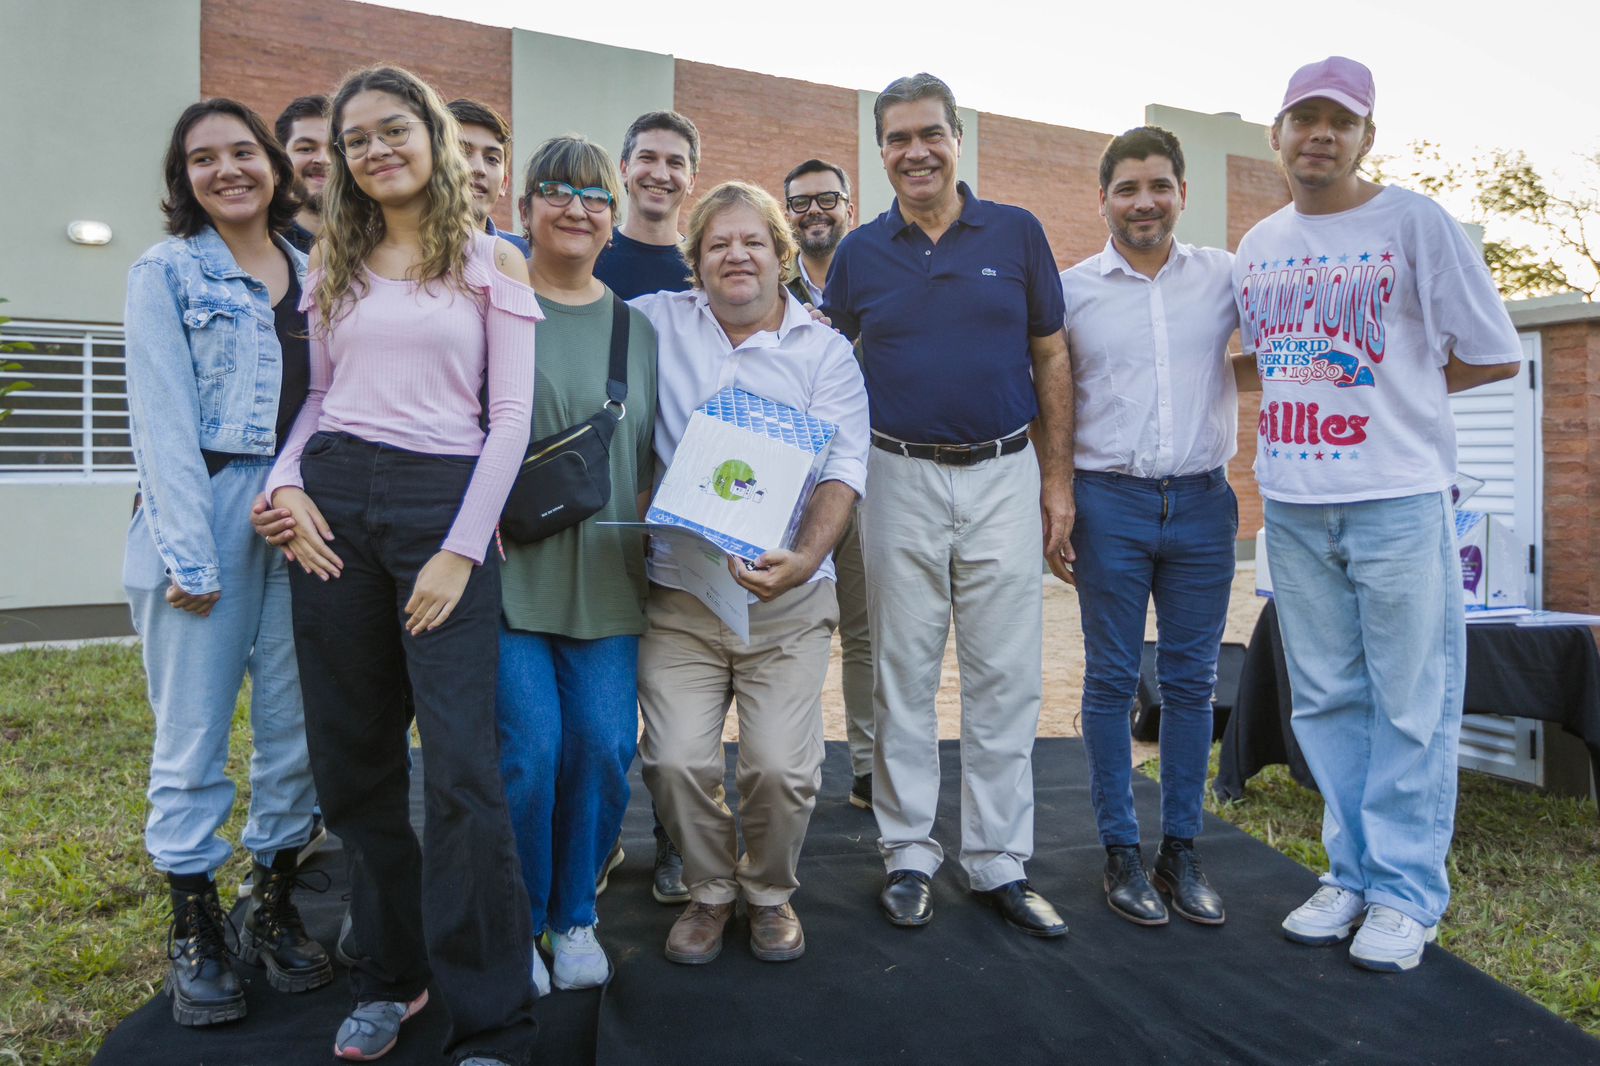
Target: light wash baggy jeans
(1370,608)
(195,666)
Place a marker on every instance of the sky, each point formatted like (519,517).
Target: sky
(1467,75)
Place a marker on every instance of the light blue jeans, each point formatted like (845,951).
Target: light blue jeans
(195,666)
(1369,605)
(569,724)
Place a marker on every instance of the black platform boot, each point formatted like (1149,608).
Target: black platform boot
(275,937)
(200,981)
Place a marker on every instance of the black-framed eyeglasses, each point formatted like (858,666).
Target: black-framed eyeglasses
(825,201)
(560,194)
(353,144)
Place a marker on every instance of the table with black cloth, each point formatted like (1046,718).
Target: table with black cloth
(1551,673)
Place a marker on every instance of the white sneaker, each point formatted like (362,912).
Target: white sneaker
(541,976)
(1326,918)
(1390,942)
(580,961)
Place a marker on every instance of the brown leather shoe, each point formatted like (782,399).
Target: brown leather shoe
(775,933)
(696,936)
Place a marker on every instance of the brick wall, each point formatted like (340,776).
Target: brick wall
(267,52)
(1256,188)
(1052,171)
(1571,386)
(755,128)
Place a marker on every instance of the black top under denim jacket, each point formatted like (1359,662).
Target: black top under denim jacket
(289,323)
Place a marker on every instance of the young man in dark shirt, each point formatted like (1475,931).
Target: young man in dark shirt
(660,157)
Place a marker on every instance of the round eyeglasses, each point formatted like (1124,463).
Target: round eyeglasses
(353,144)
(560,194)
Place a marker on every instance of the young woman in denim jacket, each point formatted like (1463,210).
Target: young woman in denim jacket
(393,488)
(217,369)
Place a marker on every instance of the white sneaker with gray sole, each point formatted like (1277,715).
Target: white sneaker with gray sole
(1390,942)
(1326,918)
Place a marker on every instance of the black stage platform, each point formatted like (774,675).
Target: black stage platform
(965,989)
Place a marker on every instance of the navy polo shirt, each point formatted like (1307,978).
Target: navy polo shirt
(945,327)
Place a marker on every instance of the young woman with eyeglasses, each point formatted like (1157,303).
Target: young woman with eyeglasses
(394,489)
(574,602)
(217,368)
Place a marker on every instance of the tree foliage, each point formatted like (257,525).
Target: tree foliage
(1541,233)
(10,367)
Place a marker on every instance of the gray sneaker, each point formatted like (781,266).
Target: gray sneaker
(372,1028)
(1326,918)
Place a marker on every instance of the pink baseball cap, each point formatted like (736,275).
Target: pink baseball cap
(1344,81)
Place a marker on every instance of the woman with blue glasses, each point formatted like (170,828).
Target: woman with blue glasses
(573,603)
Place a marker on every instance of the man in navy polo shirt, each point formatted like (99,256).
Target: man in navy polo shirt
(958,307)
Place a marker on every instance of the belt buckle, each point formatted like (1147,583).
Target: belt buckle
(958,454)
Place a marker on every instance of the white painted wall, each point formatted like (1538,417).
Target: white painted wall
(63,542)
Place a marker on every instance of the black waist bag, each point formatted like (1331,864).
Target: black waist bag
(566,477)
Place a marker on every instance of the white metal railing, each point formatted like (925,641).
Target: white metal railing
(73,421)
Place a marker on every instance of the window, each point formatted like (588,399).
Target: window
(73,422)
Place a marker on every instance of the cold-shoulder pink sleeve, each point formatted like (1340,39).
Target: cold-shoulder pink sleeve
(510,313)
(286,470)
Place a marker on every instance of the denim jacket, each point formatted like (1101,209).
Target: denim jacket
(204,371)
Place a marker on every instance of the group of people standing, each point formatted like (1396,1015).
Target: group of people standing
(333,383)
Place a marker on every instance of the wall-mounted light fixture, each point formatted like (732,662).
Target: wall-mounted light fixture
(87,232)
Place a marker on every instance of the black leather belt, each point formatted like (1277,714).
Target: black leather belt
(954,454)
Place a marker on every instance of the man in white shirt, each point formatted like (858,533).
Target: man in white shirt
(1364,306)
(1148,321)
(738,327)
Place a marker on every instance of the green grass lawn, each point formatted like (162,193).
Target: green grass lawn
(1525,874)
(83,916)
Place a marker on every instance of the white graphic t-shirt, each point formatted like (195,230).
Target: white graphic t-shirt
(1352,317)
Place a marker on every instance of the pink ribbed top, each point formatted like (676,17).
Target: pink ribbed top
(404,367)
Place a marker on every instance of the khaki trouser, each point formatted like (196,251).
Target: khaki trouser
(945,542)
(690,666)
(855,640)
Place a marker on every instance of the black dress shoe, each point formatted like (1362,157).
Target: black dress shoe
(907,898)
(1025,909)
(1128,887)
(1178,875)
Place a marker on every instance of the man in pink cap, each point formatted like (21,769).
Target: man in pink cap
(1364,306)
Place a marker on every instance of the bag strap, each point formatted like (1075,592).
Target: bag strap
(617,379)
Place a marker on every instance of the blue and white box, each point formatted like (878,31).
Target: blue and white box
(743,473)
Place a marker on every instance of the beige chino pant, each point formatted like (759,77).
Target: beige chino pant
(690,667)
(962,543)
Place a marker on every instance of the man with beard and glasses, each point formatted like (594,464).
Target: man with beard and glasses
(486,140)
(302,129)
(1148,322)
(660,157)
(816,197)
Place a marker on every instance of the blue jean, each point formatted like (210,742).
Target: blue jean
(195,666)
(1369,604)
(569,723)
(1171,538)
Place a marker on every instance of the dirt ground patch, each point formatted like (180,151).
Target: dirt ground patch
(1063,665)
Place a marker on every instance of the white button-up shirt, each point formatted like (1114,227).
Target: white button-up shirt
(1155,391)
(803,363)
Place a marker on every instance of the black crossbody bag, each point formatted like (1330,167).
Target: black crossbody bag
(566,477)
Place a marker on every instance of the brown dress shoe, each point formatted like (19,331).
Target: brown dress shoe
(775,933)
(696,936)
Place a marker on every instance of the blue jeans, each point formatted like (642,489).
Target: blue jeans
(1369,603)
(1171,538)
(569,723)
(195,665)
